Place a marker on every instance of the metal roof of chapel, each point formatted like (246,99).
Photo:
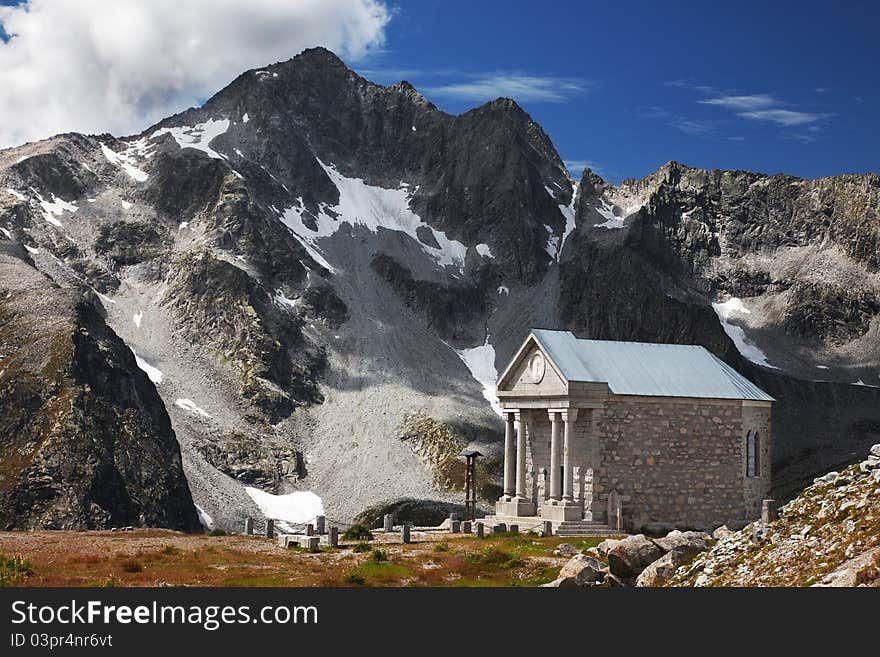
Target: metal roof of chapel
(643,368)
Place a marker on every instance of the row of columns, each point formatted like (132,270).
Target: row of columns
(515,430)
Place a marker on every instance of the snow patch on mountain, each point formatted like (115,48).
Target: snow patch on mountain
(124,162)
(292,509)
(373,207)
(736,333)
(484,250)
(480,362)
(154,374)
(190,406)
(55,208)
(18,195)
(198,136)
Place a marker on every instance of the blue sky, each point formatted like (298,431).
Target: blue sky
(774,87)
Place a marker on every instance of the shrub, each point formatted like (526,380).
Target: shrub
(441,547)
(353,577)
(380,555)
(14,569)
(132,566)
(358,533)
(217,532)
(494,557)
(361,547)
(111,581)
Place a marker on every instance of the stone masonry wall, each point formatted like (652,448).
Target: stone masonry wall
(757,418)
(674,462)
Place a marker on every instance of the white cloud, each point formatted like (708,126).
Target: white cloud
(783,117)
(98,66)
(576,167)
(752,102)
(524,88)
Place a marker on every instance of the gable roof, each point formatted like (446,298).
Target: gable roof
(642,368)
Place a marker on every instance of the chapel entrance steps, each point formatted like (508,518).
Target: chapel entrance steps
(564,528)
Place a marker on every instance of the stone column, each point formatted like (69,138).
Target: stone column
(569,417)
(521,457)
(509,456)
(555,484)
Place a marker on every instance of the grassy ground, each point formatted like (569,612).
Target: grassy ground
(159,558)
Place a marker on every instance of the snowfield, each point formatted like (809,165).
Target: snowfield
(736,333)
(293,508)
(153,374)
(373,207)
(480,362)
(198,136)
(124,162)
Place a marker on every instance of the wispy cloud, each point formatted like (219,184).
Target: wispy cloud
(783,117)
(576,167)
(689,126)
(693,85)
(521,87)
(752,102)
(821,90)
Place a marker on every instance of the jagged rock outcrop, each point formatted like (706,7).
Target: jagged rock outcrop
(85,441)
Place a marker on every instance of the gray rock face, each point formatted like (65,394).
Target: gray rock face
(689,542)
(631,555)
(85,441)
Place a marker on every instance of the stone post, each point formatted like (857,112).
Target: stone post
(509,455)
(333,537)
(389,523)
(270,528)
(404,533)
(555,483)
(248,526)
(455,526)
(769,511)
(320,524)
(310,530)
(548,528)
(453,516)
(521,457)
(569,417)
(478,526)
(466,527)
(513,529)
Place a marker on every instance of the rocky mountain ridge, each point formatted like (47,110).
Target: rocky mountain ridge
(309,257)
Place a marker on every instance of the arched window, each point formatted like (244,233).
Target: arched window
(753,463)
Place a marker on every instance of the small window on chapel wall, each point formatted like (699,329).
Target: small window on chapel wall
(753,464)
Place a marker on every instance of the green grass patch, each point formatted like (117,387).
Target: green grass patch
(109,582)
(361,547)
(442,546)
(217,532)
(379,555)
(382,573)
(494,557)
(14,570)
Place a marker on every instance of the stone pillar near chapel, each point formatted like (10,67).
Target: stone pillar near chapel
(555,484)
(521,458)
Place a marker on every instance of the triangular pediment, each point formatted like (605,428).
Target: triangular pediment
(533,372)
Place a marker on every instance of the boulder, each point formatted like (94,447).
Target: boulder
(561,582)
(631,555)
(685,542)
(658,572)
(875,450)
(583,569)
(614,581)
(606,545)
(722,532)
(860,570)
(566,550)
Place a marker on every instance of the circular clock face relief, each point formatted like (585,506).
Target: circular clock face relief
(537,367)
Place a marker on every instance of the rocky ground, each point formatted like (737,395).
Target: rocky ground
(827,536)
